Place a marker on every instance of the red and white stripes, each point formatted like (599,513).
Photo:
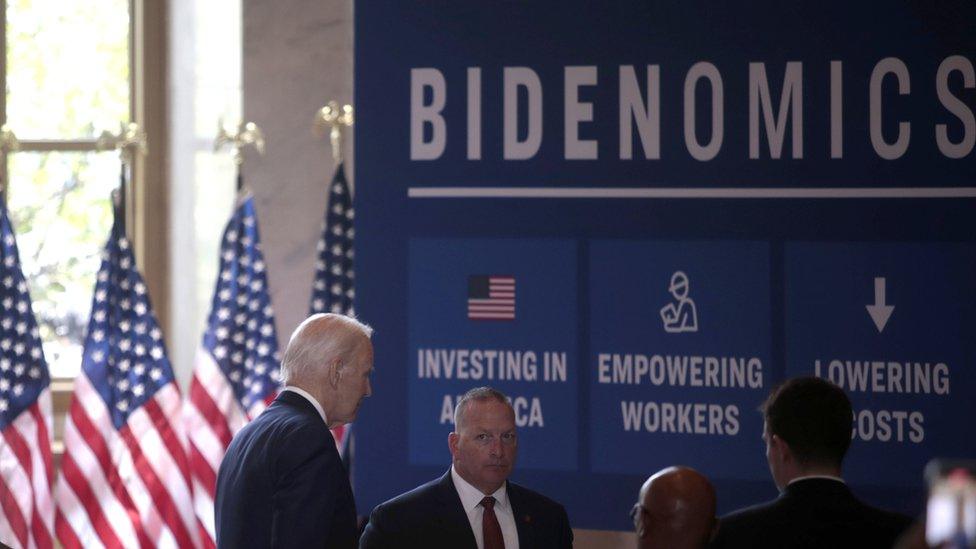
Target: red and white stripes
(26,476)
(213,416)
(128,487)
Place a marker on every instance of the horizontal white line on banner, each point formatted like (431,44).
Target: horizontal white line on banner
(692,192)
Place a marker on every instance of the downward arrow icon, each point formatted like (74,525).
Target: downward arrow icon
(880,313)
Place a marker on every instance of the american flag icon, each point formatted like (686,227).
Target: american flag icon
(491,297)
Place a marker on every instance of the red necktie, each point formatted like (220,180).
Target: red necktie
(489,525)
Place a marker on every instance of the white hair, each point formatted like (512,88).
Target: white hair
(318,340)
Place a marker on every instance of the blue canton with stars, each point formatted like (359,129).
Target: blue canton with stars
(241,334)
(334,286)
(23,372)
(124,355)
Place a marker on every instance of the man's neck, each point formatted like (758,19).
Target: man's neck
(313,399)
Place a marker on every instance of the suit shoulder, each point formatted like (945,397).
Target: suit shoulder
(888,520)
(745,527)
(286,421)
(522,492)
(278,428)
(532,500)
(754,512)
(404,517)
(748,517)
(408,500)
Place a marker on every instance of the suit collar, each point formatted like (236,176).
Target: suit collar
(451,516)
(822,477)
(471,497)
(454,515)
(295,400)
(814,486)
(523,510)
(311,400)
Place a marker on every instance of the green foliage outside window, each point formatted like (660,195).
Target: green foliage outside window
(67,79)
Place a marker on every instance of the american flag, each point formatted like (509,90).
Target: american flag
(236,372)
(26,475)
(125,480)
(334,287)
(491,297)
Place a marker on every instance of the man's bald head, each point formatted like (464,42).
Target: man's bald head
(677,510)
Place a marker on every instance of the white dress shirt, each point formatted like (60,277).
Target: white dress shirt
(821,477)
(303,393)
(471,501)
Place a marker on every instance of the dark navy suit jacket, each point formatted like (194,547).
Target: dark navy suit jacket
(811,513)
(282,484)
(431,516)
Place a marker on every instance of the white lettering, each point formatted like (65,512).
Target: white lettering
(708,71)
(791,99)
(880,376)
(836,109)
(679,371)
(954,105)
(889,426)
(534,417)
(527,79)
(474,113)
(576,111)
(682,418)
(422,114)
(447,411)
(647,116)
(886,150)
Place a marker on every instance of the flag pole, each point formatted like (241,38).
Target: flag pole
(8,144)
(333,284)
(118,198)
(336,120)
(248,133)
(232,382)
(130,140)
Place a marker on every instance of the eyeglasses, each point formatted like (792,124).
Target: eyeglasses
(636,512)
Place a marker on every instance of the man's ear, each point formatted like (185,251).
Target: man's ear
(335,372)
(452,440)
(782,449)
(642,530)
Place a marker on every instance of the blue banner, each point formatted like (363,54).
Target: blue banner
(680,360)
(636,221)
(888,323)
(521,340)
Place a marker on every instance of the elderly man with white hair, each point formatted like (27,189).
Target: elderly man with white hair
(282,483)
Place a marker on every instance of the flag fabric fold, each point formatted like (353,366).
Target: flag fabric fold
(125,479)
(236,372)
(26,472)
(333,288)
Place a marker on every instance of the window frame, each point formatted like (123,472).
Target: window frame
(147,199)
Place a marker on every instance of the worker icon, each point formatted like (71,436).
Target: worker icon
(680,315)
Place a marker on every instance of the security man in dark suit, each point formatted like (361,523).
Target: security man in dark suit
(282,483)
(807,431)
(473,505)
